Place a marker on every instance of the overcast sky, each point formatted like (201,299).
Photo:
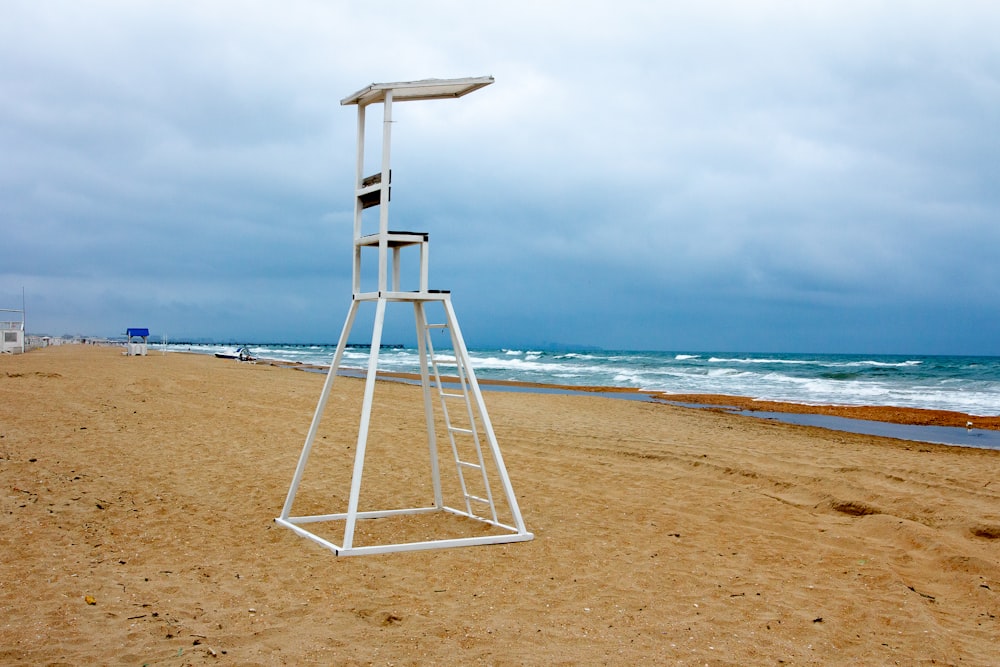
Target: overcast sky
(712,176)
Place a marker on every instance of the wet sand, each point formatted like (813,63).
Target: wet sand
(894,415)
(138,498)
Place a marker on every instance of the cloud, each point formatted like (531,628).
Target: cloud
(637,170)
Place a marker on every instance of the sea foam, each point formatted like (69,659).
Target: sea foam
(963,384)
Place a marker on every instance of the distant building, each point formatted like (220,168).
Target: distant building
(137,344)
(11,331)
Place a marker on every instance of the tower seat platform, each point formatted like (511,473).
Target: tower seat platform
(394,239)
(405,295)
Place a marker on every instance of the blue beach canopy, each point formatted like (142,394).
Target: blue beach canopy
(136,332)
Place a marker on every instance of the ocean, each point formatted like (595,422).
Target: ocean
(961,383)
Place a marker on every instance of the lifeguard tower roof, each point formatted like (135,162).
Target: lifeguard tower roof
(425,89)
(133,331)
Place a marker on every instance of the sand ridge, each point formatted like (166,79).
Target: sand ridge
(148,486)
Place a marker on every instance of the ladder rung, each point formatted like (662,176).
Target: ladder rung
(478,499)
(450,395)
(456,429)
(445,362)
(437,326)
(469,464)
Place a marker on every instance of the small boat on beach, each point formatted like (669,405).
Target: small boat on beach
(243,354)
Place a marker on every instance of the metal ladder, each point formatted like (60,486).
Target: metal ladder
(465,440)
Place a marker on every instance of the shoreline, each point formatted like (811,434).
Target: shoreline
(906,416)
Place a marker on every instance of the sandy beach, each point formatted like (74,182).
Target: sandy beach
(139,496)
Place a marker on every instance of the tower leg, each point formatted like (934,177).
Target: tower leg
(318,415)
(366,414)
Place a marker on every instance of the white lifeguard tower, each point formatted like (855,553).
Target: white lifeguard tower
(474,452)
(137,343)
(11,331)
